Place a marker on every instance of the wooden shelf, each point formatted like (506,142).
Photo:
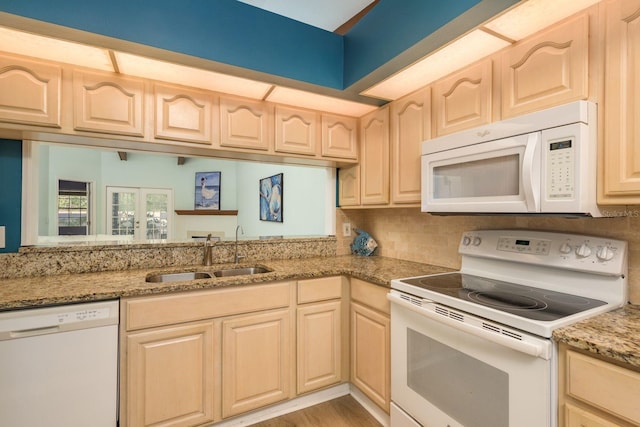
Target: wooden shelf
(205,212)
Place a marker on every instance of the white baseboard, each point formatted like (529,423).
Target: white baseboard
(372,408)
(287,407)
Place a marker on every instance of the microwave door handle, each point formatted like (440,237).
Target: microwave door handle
(531,173)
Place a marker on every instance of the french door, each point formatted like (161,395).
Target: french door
(144,213)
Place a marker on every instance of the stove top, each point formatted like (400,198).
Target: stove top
(534,281)
(525,301)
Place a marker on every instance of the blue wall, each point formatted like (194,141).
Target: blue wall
(11,192)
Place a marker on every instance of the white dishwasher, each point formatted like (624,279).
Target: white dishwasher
(59,366)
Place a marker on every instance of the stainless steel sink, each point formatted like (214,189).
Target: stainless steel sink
(240,271)
(178,277)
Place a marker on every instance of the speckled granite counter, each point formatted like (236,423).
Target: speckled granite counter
(25,292)
(615,335)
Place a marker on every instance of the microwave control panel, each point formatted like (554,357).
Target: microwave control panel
(561,169)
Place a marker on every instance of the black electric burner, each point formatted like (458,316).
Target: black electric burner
(525,301)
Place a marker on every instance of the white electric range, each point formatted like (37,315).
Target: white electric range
(473,347)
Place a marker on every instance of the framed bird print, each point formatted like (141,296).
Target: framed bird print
(207,194)
(271,198)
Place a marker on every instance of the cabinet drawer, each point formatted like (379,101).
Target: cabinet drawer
(576,417)
(369,294)
(608,387)
(165,310)
(319,289)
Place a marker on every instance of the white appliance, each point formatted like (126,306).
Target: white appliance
(59,366)
(543,162)
(473,347)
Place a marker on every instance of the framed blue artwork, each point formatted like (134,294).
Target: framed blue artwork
(207,195)
(271,198)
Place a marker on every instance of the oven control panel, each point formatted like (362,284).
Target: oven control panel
(570,251)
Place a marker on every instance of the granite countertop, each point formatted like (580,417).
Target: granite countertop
(615,335)
(31,292)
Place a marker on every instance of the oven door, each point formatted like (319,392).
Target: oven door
(445,376)
(495,176)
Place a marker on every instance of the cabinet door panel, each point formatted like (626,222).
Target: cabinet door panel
(410,126)
(109,104)
(463,100)
(29,92)
(244,124)
(296,130)
(620,157)
(183,114)
(256,361)
(546,70)
(319,346)
(170,376)
(370,354)
(339,136)
(349,186)
(374,157)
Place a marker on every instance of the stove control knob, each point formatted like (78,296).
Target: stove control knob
(477,241)
(583,250)
(565,248)
(605,253)
(466,241)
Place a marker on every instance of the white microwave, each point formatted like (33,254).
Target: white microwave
(538,163)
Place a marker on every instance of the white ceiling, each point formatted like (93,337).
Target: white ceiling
(325,14)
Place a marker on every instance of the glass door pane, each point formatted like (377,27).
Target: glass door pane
(122,216)
(157,208)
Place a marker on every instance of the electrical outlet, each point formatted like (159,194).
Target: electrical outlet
(346,229)
(2,241)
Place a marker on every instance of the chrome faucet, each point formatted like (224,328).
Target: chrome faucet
(208,245)
(238,257)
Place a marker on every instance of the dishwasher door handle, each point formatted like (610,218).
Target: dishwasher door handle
(34,332)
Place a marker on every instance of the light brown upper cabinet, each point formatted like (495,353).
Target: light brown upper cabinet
(29,92)
(548,69)
(349,186)
(245,123)
(183,114)
(296,130)
(374,157)
(339,136)
(410,126)
(463,100)
(105,103)
(619,157)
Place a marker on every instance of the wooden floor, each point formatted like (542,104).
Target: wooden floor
(344,411)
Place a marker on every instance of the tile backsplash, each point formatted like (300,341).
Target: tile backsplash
(409,234)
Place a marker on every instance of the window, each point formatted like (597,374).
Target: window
(73,208)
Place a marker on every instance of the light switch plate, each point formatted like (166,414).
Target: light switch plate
(346,229)
(2,242)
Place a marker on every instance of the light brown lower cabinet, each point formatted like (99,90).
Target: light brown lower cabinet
(256,361)
(370,342)
(596,393)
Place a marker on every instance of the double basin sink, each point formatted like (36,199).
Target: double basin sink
(195,275)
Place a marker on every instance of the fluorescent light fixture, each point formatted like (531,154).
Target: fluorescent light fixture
(534,15)
(469,48)
(28,44)
(314,101)
(139,66)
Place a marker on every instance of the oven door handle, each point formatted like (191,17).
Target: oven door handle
(541,350)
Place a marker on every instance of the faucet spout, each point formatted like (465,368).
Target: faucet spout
(236,256)
(208,244)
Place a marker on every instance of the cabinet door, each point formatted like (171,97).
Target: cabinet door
(339,136)
(109,104)
(619,161)
(256,362)
(244,124)
(319,349)
(370,354)
(549,69)
(183,114)
(410,126)
(463,100)
(374,157)
(349,186)
(169,379)
(578,417)
(29,92)
(296,130)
